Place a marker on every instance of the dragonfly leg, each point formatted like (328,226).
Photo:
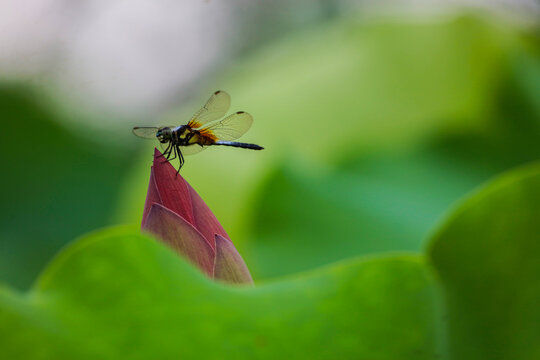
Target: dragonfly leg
(181,158)
(167,153)
(166,149)
(174,157)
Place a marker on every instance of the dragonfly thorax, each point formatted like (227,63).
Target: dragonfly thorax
(182,135)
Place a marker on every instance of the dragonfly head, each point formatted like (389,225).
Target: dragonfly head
(164,135)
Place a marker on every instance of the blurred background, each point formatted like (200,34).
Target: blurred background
(376,116)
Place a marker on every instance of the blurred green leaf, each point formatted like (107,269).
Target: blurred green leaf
(118,294)
(487,256)
(374,84)
(376,129)
(55,184)
(379,202)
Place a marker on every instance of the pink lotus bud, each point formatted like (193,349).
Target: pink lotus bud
(177,215)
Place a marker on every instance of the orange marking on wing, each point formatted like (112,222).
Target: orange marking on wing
(193,124)
(208,134)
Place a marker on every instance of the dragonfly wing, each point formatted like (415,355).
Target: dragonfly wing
(192,149)
(145,132)
(216,107)
(230,128)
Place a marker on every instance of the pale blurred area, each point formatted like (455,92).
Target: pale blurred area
(138,58)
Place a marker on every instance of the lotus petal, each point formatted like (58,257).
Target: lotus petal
(176,232)
(205,220)
(229,266)
(152,196)
(172,188)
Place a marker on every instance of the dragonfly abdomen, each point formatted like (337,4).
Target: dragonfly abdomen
(239,144)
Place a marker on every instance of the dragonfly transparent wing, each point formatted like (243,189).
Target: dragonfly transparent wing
(216,107)
(145,132)
(192,149)
(230,128)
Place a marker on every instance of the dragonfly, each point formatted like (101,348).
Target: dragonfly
(203,130)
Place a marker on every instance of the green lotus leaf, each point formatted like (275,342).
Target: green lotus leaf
(487,257)
(119,294)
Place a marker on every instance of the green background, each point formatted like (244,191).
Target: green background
(372,130)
